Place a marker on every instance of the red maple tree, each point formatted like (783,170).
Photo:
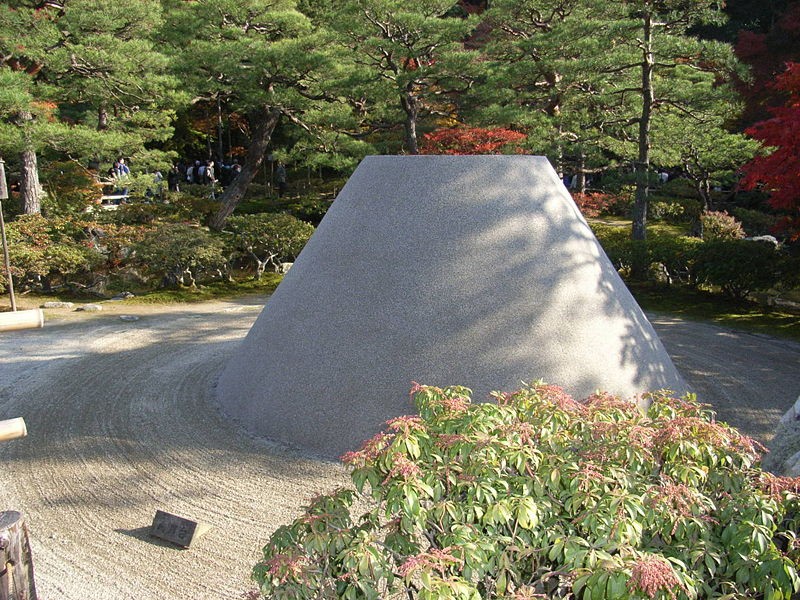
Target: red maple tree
(779,171)
(472,140)
(766,52)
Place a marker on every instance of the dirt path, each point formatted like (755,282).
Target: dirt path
(122,423)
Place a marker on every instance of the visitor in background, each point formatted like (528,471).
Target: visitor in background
(280,178)
(173,179)
(208,173)
(199,172)
(120,171)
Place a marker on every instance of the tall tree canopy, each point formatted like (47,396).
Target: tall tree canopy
(652,64)
(84,60)
(595,84)
(608,83)
(262,59)
(408,58)
(779,170)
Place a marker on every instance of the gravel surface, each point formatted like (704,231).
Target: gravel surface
(751,380)
(122,421)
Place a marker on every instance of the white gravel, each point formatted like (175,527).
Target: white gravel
(122,421)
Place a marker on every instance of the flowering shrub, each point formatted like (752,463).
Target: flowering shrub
(540,496)
(719,225)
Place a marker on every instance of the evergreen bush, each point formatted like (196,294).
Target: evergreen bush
(176,254)
(268,239)
(46,252)
(668,255)
(756,222)
(739,267)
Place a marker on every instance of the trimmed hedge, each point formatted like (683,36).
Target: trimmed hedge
(737,267)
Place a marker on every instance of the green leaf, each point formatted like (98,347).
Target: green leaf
(617,586)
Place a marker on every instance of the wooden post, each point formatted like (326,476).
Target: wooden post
(11,429)
(4,196)
(21,319)
(16,564)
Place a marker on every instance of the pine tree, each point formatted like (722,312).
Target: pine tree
(261,59)
(597,75)
(408,59)
(653,63)
(83,60)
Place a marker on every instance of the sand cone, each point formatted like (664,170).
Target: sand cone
(470,270)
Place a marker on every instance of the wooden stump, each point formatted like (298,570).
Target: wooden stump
(16,564)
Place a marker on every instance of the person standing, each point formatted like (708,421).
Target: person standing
(121,173)
(121,169)
(199,172)
(208,174)
(280,178)
(173,179)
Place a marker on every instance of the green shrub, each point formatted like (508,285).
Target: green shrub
(259,205)
(755,222)
(538,496)
(178,207)
(71,189)
(48,252)
(257,190)
(679,187)
(179,254)
(739,267)
(268,239)
(660,255)
(674,210)
(141,213)
(310,208)
(659,210)
(194,208)
(719,225)
(675,255)
(616,242)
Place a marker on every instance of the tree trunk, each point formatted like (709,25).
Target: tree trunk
(642,166)
(31,190)
(410,106)
(581,183)
(263,123)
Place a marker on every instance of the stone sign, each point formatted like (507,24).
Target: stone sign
(175,529)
